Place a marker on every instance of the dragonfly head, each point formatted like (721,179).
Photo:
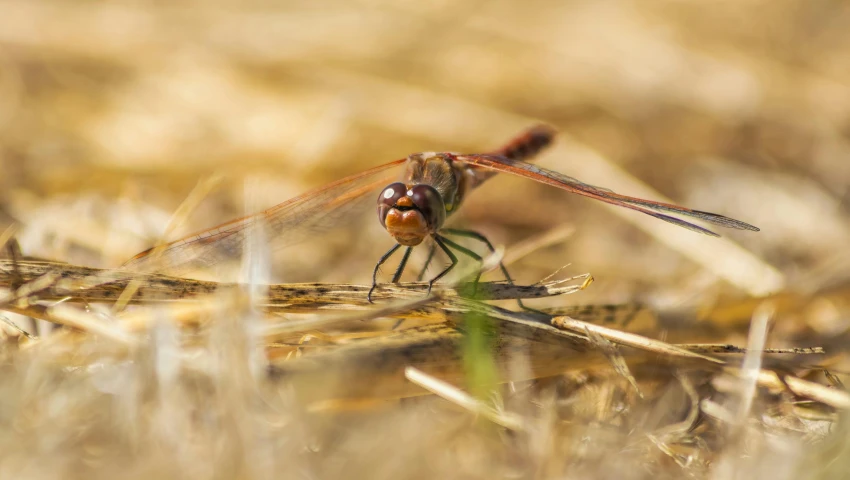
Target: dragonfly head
(411,212)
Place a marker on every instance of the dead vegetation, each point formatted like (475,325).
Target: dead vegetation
(126,124)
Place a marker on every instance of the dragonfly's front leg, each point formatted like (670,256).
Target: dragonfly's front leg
(382,260)
(431,251)
(440,243)
(401,265)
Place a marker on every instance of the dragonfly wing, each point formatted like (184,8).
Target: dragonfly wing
(524,146)
(290,222)
(655,209)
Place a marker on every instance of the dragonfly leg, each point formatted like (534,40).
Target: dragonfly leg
(469,253)
(431,251)
(481,238)
(439,241)
(401,265)
(383,259)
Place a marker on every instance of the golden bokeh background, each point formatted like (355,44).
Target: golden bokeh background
(112,113)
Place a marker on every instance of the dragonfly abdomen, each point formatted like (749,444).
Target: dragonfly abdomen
(527,145)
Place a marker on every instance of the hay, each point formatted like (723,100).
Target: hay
(126,124)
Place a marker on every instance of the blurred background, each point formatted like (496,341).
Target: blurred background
(111,113)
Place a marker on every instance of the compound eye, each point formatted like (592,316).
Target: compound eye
(392,193)
(388,198)
(428,201)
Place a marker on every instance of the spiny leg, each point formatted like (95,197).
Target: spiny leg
(439,241)
(431,251)
(471,254)
(401,265)
(397,276)
(481,238)
(383,259)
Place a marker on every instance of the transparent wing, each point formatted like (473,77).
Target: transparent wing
(649,207)
(288,223)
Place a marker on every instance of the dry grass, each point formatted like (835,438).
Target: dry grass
(687,357)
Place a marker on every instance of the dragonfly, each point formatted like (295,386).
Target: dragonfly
(413,208)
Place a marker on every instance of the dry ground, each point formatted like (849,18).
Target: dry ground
(113,114)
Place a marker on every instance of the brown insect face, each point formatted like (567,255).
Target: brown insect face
(410,213)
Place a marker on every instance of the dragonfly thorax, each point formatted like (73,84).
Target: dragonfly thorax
(439,170)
